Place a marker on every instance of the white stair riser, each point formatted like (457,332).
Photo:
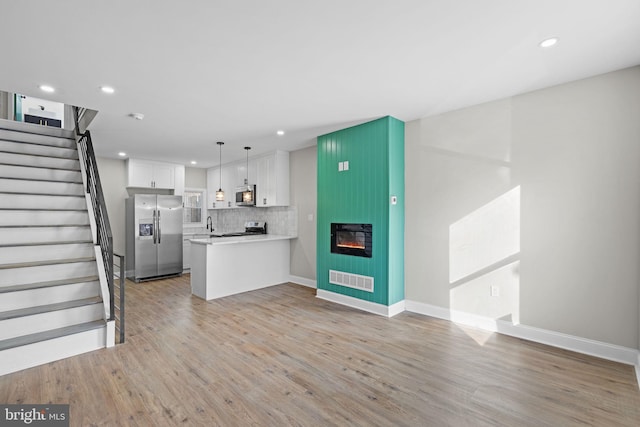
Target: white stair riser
(37,161)
(24,172)
(25,235)
(33,138)
(33,253)
(19,358)
(37,218)
(51,295)
(40,187)
(46,273)
(11,328)
(34,201)
(38,150)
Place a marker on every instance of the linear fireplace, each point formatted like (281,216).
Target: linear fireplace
(351,239)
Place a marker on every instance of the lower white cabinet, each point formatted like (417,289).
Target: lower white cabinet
(186,254)
(186,249)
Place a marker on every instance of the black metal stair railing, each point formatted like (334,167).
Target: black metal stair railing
(119,297)
(104,236)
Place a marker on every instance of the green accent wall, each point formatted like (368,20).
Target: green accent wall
(362,194)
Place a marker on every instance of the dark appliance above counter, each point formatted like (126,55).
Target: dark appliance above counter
(246,195)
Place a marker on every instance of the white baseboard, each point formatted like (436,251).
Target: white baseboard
(303,281)
(599,349)
(368,306)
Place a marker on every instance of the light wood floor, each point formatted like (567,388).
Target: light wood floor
(279,356)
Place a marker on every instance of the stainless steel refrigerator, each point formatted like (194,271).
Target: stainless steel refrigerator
(154,236)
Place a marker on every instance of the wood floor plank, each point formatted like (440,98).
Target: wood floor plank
(281,357)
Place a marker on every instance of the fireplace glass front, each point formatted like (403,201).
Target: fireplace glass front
(351,239)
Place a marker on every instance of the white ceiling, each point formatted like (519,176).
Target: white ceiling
(203,71)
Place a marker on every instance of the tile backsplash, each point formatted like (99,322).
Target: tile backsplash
(281,220)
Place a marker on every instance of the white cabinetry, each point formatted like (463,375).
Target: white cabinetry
(186,254)
(273,179)
(228,185)
(270,174)
(186,249)
(241,172)
(147,174)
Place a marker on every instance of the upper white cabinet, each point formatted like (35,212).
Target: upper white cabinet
(270,174)
(148,174)
(228,185)
(272,183)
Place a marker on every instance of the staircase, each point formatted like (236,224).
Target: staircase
(51,299)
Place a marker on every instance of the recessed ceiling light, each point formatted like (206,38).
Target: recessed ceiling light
(280,132)
(107,89)
(47,88)
(122,154)
(193,162)
(549,42)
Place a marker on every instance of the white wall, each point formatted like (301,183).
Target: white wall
(195,177)
(539,196)
(303,167)
(113,177)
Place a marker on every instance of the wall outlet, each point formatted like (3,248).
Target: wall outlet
(495,291)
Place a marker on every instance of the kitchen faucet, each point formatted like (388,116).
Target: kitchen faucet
(209,224)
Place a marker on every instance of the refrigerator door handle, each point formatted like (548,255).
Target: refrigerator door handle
(159,228)
(154,226)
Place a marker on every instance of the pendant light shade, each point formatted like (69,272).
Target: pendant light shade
(220,193)
(247,194)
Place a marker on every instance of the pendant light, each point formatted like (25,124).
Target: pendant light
(220,193)
(247,194)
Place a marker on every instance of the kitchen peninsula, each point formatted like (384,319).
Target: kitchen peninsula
(231,265)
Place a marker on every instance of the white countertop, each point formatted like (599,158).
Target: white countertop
(240,239)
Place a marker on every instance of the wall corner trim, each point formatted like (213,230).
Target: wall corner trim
(638,369)
(586,346)
(371,307)
(110,336)
(303,281)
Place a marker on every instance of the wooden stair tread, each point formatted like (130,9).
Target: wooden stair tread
(43,194)
(43,225)
(51,334)
(74,169)
(47,156)
(30,128)
(57,242)
(30,311)
(51,283)
(46,262)
(79,182)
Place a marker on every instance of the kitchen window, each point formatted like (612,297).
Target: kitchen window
(194,206)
